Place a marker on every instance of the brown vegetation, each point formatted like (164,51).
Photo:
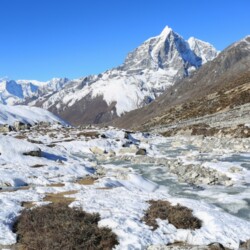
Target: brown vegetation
(60,197)
(56,226)
(181,217)
(86,181)
(90,134)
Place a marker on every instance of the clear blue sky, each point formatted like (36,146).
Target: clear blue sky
(41,39)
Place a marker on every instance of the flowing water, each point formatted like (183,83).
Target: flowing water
(233,199)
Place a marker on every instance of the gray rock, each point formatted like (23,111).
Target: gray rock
(35,153)
(97,151)
(21,126)
(245,245)
(6,128)
(184,246)
(141,151)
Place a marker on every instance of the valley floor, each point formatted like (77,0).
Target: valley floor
(115,173)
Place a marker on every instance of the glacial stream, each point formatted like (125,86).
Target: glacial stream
(232,199)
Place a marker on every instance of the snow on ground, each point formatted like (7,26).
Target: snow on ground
(121,193)
(25,114)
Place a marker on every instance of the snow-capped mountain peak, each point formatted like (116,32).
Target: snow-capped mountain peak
(165,32)
(202,49)
(14,92)
(146,73)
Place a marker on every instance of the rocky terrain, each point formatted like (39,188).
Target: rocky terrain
(214,100)
(116,173)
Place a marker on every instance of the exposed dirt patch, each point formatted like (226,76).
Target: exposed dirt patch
(56,185)
(20,137)
(60,197)
(181,217)
(56,226)
(28,204)
(86,181)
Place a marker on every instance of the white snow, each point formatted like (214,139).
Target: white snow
(121,194)
(25,114)
(146,73)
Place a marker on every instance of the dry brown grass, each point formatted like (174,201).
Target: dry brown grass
(89,134)
(56,185)
(86,181)
(181,217)
(60,197)
(56,226)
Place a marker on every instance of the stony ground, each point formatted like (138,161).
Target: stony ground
(93,169)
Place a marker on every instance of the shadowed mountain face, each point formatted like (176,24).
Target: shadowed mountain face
(146,73)
(221,84)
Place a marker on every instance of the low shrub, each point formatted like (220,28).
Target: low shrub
(181,217)
(56,226)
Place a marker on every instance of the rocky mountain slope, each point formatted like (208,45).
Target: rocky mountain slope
(220,86)
(146,73)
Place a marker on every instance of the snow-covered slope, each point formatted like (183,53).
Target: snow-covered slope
(146,73)
(25,114)
(20,91)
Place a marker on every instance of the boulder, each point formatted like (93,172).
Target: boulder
(97,151)
(5,128)
(245,245)
(34,153)
(128,150)
(21,126)
(141,151)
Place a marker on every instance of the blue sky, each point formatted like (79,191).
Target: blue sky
(41,39)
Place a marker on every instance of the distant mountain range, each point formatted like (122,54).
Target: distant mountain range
(147,72)
(23,91)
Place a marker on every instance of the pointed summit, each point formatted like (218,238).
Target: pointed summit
(202,49)
(166,31)
(170,52)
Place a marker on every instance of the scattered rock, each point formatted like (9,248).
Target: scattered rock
(6,128)
(97,151)
(192,173)
(235,169)
(111,153)
(128,150)
(185,246)
(34,153)
(245,245)
(21,126)
(141,151)
(37,166)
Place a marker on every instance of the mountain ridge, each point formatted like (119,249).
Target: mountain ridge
(146,73)
(201,94)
